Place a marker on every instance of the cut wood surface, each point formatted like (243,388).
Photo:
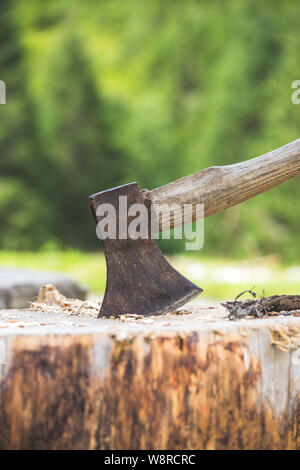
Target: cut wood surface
(221,187)
(193,380)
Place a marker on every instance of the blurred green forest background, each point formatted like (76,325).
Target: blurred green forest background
(101,93)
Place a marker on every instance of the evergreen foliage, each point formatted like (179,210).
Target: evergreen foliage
(108,92)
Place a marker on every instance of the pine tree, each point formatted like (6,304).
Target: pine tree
(23,212)
(78,133)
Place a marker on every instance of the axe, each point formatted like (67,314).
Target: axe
(139,278)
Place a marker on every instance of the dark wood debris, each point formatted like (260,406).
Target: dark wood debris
(269,306)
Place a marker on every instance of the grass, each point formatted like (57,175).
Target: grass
(220,279)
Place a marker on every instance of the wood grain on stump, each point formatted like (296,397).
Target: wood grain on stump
(193,381)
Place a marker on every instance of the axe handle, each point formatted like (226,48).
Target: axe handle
(221,187)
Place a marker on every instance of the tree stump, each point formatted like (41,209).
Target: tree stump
(189,381)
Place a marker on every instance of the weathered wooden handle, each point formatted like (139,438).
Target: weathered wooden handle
(221,187)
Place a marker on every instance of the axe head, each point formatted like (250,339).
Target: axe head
(139,278)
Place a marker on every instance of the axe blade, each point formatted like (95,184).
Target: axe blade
(139,278)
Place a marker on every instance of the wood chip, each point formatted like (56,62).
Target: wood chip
(51,300)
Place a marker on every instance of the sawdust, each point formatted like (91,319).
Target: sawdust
(182,311)
(285,338)
(127,317)
(51,300)
(189,310)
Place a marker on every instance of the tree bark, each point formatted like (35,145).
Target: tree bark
(193,381)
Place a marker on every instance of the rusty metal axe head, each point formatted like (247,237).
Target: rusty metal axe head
(139,278)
